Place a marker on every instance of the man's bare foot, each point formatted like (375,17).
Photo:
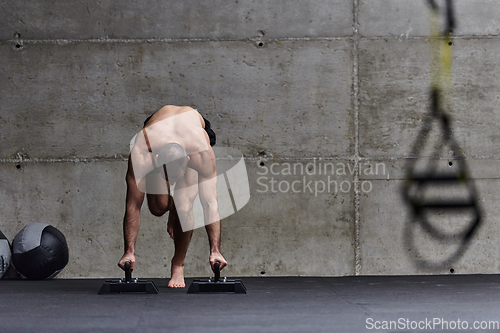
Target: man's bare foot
(170,229)
(177,277)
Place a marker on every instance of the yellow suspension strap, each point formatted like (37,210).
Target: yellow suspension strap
(441,54)
(420,181)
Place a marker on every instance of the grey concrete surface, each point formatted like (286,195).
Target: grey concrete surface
(403,19)
(86,202)
(176,19)
(342,83)
(233,84)
(394,88)
(386,250)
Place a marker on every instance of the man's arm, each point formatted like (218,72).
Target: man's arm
(132,219)
(207,179)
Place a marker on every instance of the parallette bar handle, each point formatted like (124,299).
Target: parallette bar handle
(128,273)
(217,271)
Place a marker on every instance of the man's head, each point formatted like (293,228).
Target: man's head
(175,158)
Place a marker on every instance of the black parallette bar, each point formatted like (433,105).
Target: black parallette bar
(128,286)
(119,287)
(226,286)
(217,271)
(128,273)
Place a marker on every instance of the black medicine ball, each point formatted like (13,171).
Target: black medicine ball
(5,254)
(39,251)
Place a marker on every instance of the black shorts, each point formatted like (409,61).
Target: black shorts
(208,129)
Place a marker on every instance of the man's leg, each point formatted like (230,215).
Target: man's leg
(181,244)
(157,190)
(188,189)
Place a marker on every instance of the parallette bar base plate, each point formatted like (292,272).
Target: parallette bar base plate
(119,287)
(208,286)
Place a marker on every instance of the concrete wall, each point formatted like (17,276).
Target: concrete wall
(292,84)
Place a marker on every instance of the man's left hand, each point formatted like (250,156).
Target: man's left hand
(217,257)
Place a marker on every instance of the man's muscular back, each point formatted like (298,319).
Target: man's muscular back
(173,124)
(180,124)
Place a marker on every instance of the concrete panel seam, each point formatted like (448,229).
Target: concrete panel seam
(247,159)
(121,159)
(61,160)
(64,41)
(317,158)
(404,158)
(394,37)
(355,97)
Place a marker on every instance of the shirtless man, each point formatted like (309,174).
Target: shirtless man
(173,148)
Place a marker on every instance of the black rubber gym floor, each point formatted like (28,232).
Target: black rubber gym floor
(282,304)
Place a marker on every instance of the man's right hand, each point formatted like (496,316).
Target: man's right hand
(217,257)
(127,257)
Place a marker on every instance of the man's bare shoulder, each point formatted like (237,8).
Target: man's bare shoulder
(172,110)
(203,162)
(176,113)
